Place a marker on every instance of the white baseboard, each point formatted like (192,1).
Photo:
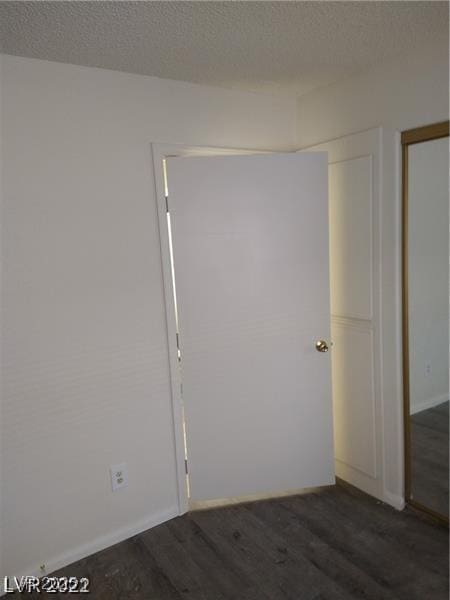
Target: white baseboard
(429,403)
(100,543)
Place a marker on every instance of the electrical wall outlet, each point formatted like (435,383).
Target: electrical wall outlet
(428,368)
(119,476)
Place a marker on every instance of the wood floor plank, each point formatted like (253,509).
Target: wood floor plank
(431,418)
(259,568)
(221,572)
(442,408)
(284,570)
(123,572)
(332,544)
(355,582)
(402,530)
(430,458)
(429,444)
(177,562)
(194,565)
(367,549)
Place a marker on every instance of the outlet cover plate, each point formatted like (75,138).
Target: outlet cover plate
(119,476)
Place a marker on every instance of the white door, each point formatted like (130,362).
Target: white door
(250,243)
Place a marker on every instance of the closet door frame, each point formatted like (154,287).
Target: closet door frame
(408,138)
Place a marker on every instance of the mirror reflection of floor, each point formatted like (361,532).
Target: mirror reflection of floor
(430,458)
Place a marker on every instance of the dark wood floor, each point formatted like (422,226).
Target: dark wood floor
(429,452)
(333,544)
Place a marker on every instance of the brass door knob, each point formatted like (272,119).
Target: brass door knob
(321,346)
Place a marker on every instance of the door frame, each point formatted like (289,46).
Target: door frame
(409,137)
(160,152)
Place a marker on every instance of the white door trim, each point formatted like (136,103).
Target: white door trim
(159,152)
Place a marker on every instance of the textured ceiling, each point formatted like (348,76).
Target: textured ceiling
(256,46)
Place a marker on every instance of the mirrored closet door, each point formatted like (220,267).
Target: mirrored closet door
(426,317)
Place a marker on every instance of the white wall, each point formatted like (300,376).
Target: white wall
(85,375)
(402,94)
(428,273)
